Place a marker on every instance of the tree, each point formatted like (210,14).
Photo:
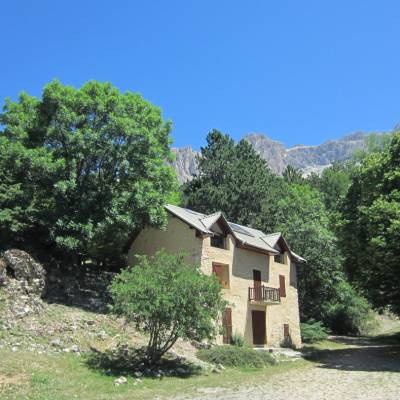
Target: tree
(304,222)
(167,298)
(292,175)
(82,170)
(370,227)
(233,178)
(324,293)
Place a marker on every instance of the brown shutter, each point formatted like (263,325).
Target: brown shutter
(217,270)
(227,325)
(282,287)
(257,284)
(285,330)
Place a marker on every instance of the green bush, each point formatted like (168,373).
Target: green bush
(312,331)
(350,313)
(238,340)
(233,356)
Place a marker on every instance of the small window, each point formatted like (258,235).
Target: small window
(279,258)
(218,241)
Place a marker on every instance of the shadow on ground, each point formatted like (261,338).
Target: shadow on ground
(381,353)
(130,361)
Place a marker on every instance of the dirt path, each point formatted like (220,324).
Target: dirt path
(364,372)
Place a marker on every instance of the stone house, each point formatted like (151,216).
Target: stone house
(257,272)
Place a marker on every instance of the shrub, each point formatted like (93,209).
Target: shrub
(312,331)
(167,298)
(350,314)
(233,356)
(238,340)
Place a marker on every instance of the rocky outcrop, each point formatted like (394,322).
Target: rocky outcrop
(18,265)
(185,163)
(307,158)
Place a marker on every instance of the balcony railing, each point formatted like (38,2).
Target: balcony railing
(264,294)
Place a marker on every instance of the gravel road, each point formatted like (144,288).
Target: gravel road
(364,372)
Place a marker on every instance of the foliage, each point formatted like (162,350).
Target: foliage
(233,356)
(370,228)
(304,223)
(313,331)
(350,313)
(233,178)
(292,175)
(82,170)
(238,340)
(333,184)
(167,298)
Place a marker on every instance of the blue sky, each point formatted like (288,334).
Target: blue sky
(299,71)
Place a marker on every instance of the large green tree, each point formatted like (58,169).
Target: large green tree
(81,170)
(235,179)
(370,231)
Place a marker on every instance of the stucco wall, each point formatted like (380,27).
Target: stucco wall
(177,237)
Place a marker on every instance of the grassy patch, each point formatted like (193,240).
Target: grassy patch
(233,356)
(67,377)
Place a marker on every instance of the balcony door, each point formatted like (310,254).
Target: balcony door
(257,284)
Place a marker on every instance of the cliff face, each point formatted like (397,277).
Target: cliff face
(307,158)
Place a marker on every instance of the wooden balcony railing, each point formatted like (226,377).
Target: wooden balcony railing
(264,294)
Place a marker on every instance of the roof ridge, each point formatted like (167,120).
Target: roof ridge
(211,215)
(272,234)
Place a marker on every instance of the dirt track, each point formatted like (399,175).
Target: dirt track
(364,372)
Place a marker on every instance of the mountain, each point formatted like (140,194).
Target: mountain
(307,158)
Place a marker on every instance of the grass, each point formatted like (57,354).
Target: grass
(25,375)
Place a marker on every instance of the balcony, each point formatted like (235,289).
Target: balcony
(264,294)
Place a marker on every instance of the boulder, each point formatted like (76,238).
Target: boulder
(3,271)
(21,266)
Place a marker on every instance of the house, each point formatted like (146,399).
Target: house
(257,272)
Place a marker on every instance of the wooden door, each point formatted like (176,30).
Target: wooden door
(257,284)
(227,326)
(258,323)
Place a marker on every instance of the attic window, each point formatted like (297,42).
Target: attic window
(218,241)
(279,258)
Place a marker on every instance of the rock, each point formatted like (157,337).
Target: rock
(56,342)
(120,381)
(181,371)
(137,374)
(3,271)
(220,367)
(74,349)
(23,268)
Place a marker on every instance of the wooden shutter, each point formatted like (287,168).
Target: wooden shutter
(282,286)
(227,325)
(257,284)
(286,331)
(217,270)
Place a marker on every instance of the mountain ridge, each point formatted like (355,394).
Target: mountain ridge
(308,158)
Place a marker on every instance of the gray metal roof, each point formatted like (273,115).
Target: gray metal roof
(244,234)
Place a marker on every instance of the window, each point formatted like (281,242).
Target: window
(218,241)
(279,258)
(221,271)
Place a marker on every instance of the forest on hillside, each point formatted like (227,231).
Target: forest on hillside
(82,171)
